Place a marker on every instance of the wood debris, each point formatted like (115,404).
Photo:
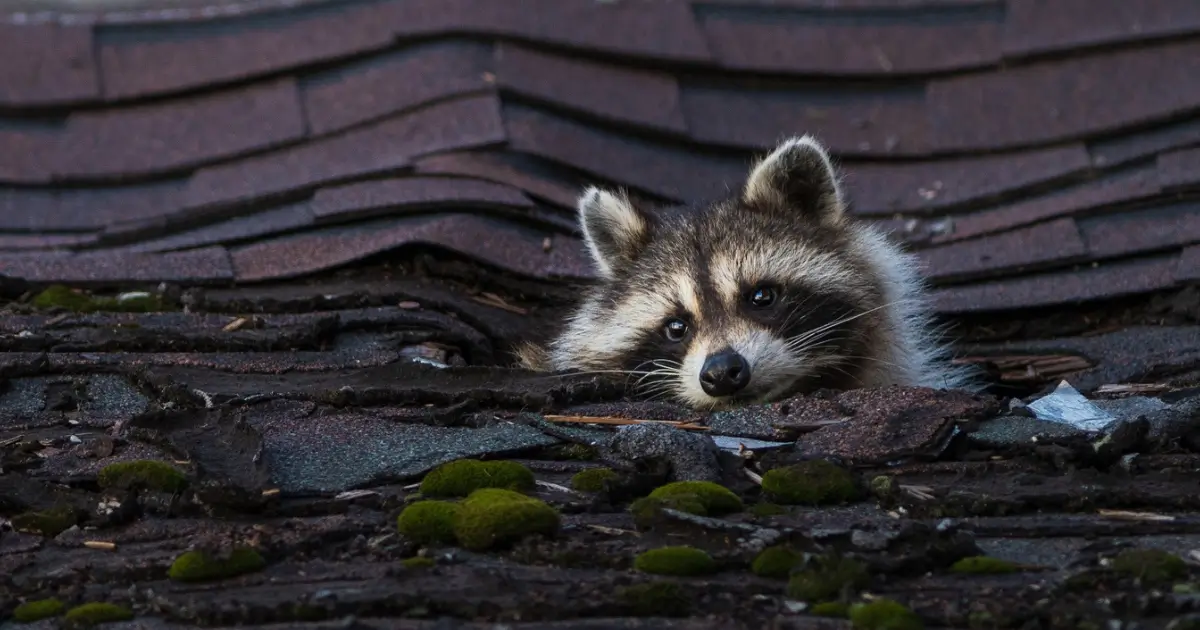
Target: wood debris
(622,421)
(1031,368)
(1133,388)
(491,299)
(103,545)
(1135,516)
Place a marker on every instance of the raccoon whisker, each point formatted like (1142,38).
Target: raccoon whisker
(844,320)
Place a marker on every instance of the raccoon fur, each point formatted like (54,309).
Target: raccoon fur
(770,293)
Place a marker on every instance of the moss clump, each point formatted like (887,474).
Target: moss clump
(49,523)
(831,609)
(38,610)
(646,511)
(97,612)
(763,510)
(884,614)
(813,482)
(1151,566)
(494,517)
(428,522)
(59,296)
(197,566)
(592,479)
(144,474)
(715,498)
(825,578)
(883,486)
(461,477)
(983,564)
(419,562)
(682,560)
(655,599)
(775,562)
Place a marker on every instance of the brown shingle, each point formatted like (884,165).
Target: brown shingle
(1053,242)
(28,153)
(659,30)
(409,194)
(382,85)
(502,168)
(500,243)
(197,265)
(1124,187)
(238,229)
(1179,169)
(43,241)
(859,122)
(1088,282)
(84,209)
(1066,98)
(1038,26)
(152,59)
(1141,230)
(657,168)
(1189,265)
(885,188)
(603,90)
(46,64)
(1109,152)
(385,146)
(181,133)
(778,40)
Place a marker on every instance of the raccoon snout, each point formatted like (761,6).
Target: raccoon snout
(724,373)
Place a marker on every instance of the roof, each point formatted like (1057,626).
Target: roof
(1011,142)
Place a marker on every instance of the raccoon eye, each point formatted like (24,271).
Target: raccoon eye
(763,297)
(675,329)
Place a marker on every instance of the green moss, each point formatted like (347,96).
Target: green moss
(831,609)
(1151,566)
(49,523)
(97,612)
(145,474)
(813,482)
(655,599)
(825,578)
(494,517)
(461,477)
(882,486)
(1186,588)
(646,511)
(980,619)
(197,566)
(419,562)
(59,296)
(592,479)
(884,614)
(428,522)
(775,562)
(983,564)
(681,560)
(715,498)
(763,510)
(38,610)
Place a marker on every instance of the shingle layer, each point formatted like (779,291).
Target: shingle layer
(1025,148)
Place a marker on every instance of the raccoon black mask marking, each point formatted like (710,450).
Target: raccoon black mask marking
(769,293)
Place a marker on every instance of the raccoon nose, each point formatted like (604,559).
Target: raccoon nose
(724,373)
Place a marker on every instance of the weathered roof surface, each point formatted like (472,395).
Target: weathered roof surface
(261,168)
(1013,142)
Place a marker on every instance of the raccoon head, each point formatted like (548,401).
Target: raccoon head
(746,299)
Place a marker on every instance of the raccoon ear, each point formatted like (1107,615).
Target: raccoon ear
(799,176)
(614,230)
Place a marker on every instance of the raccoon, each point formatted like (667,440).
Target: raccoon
(767,294)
